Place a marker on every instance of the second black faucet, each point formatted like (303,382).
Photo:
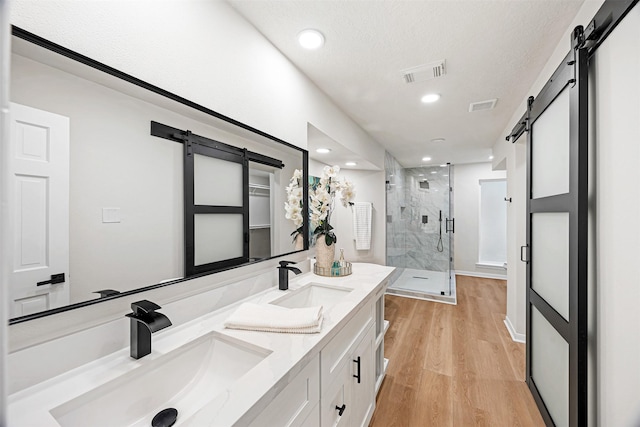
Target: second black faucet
(283,274)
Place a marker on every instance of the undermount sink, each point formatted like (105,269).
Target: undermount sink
(186,379)
(312,295)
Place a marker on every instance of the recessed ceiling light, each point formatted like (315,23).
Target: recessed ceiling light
(444,165)
(430,97)
(490,157)
(421,174)
(426,159)
(310,39)
(323,150)
(350,163)
(438,140)
(445,175)
(434,172)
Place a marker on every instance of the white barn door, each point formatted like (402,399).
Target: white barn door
(39,194)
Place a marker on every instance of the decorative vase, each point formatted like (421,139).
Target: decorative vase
(299,243)
(325,255)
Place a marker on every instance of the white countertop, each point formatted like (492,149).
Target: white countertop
(245,398)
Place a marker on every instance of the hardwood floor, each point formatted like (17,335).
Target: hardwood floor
(454,365)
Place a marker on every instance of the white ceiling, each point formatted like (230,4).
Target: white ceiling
(492,48)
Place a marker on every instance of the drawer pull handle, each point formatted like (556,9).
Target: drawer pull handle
(341,409)
(358,374)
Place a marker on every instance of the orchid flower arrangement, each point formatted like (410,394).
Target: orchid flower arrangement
(293,206)
(321,201)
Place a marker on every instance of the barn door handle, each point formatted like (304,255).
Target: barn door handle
(55,279)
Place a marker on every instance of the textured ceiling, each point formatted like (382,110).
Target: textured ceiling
(493,49)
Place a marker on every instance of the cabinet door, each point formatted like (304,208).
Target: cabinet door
(363,380)
(336,400)
(297,404)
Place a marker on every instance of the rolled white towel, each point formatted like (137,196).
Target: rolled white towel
(270,318)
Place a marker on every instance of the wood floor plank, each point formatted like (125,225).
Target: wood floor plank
(454,366)
(434,404)
(440,331)
(515,351)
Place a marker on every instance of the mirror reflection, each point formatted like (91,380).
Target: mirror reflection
(100,200)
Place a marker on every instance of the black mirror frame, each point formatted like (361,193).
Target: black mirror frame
(53,47)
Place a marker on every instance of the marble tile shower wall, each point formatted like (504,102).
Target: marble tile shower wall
(411,242)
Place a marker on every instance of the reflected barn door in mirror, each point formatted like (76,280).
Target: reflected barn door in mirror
(216,207)
(39,192)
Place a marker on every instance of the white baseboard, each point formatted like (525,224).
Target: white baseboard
(522,338)
(492,266)
(483,275)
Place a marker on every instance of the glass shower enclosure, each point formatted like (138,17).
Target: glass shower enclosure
(420,229)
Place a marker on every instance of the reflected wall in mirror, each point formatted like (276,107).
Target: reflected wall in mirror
(99,199)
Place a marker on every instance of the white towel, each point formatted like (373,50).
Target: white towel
(271,318)
(362,225)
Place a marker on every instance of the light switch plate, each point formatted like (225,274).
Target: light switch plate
(110,215)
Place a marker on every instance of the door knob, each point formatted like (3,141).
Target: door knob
(55,279)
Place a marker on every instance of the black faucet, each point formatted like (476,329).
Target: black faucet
(283,273)
(145,321)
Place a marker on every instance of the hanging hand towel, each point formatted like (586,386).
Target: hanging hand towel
(271,318)
(362,225)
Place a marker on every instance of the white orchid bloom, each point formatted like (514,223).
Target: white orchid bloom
(331,171)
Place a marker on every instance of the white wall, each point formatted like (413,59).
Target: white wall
(4,242)
(369,187)
(466,208)
(516,318)
(615,207)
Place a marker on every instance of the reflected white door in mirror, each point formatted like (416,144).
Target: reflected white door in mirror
(39,193)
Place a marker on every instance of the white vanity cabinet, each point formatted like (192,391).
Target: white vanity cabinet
(348,373)
(338,387)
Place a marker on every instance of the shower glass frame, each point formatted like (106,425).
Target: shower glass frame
(415,198)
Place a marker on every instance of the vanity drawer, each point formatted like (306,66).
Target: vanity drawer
(336,401)
(333,355)
(297,404)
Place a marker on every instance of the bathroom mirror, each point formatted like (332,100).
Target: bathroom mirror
(119,219)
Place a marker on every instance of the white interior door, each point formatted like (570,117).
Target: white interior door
(39,171)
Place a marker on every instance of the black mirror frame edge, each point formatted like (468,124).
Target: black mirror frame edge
(44,43)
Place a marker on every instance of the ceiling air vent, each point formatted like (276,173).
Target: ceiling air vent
(424,72)
(482,105)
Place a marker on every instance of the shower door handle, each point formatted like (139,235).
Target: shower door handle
(453,225)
